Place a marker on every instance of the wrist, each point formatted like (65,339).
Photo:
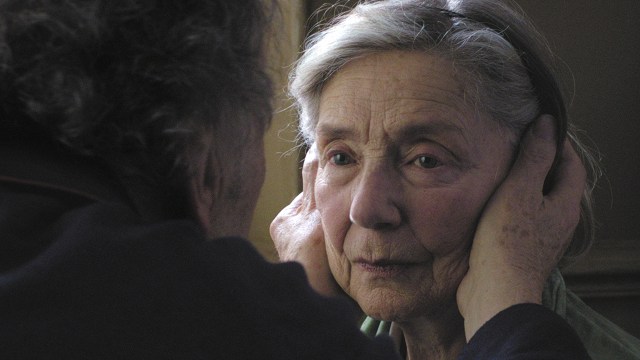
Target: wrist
(486,296)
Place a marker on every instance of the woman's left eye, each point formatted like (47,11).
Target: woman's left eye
(341,159)
(427,162)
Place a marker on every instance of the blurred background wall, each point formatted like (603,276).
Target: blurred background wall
(600,44)
(282,181)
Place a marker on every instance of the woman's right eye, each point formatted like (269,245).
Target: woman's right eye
(341,159)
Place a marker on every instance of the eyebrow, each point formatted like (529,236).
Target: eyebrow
(334,132)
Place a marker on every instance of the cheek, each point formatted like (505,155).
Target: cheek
(333,204)
(450,217)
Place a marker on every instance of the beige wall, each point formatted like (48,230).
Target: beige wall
(282,178)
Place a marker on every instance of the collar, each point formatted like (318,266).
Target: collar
(45,166)
(554,295)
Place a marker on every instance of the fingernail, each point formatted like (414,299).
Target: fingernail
(544,128)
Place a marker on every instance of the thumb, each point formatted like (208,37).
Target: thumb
(537,153)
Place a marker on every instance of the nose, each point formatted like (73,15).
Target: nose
(375,202)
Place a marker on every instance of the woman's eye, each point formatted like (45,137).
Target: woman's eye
(341,159)
(427,162)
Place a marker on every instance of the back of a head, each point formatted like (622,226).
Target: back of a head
(134,83)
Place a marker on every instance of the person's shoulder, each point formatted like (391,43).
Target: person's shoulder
(277,303)
(115,223)
(164,289)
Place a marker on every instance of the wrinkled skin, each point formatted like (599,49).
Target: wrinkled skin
(405,168)
(520,236)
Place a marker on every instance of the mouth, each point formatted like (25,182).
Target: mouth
(383,268)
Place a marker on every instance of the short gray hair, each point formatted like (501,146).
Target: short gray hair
(506,65)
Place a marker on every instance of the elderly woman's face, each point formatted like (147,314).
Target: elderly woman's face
(405,170)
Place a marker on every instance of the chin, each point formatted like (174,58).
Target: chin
(397,307)
(388,307)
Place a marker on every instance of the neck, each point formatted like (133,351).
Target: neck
(434,337)
(152,199)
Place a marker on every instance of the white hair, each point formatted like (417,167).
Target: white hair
(505,65)
(498,83)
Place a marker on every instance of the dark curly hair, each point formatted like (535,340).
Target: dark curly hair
(134,83)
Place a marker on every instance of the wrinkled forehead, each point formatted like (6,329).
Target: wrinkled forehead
(395,89)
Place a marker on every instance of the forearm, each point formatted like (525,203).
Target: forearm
(523,232)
